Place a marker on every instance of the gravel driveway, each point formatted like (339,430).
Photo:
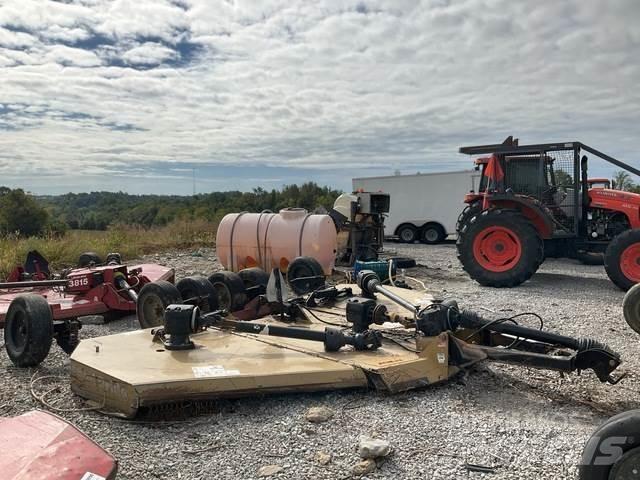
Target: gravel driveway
(524,423)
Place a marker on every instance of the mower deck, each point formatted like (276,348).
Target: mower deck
(232,364)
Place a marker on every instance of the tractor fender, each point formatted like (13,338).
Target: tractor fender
(532,210)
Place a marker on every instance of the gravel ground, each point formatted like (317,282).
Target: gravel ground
(525,423)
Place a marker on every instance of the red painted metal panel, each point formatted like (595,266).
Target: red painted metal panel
(41,446)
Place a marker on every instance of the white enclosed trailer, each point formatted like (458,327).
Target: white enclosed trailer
(424,206)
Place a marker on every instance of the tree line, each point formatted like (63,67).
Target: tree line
(29,215)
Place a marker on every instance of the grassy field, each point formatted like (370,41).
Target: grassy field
(129,241)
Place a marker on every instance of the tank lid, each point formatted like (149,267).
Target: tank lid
(293,212)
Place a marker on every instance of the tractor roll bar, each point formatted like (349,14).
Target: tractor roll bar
(511,146)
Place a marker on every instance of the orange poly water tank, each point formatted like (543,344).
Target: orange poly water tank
(270,240)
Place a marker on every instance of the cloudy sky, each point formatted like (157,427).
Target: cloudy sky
(137,95)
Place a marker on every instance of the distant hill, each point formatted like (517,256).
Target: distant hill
(98,210)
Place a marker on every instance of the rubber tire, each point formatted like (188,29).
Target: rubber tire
(439,232)
(114,257)
(531,244)
(626,424)
(253,277)
(39,330)
(589,258)
(403,262)
(230,292)
(408,228)
(612,257)
(302,267)
(631,307)
(87,258)
(466,214)
(161,292)
(199,286)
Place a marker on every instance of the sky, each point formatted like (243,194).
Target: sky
(152,96)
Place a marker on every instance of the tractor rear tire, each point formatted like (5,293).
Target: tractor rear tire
(466,214)
(253,278)
(153,300)
(613,451)
(499,248)
(432,234)
(631,307)
(230,292)
(305,275)
(622,259)
(28,330)
(88,258)
(199,288)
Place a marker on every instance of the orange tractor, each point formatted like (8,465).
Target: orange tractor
(536,201)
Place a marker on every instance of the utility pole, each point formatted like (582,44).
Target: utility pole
(194,180)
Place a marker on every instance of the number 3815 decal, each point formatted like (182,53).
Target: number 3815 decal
(79,282)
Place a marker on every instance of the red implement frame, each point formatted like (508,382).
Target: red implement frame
(79,297)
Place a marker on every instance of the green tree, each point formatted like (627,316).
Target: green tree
(21,213)
(622,181)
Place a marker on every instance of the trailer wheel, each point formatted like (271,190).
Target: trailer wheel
(432,233)
(407,233)
(153,299)
(622,259)
(631,307)
(613,451)
(88,258)
(255,280)
(28,330)
(499,248)
(305,275)
(230,292)
(201,290)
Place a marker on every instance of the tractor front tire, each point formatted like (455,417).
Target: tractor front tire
(613,451)
(631,307)
(499,248)
(622,259)
(28,330)
(153,300)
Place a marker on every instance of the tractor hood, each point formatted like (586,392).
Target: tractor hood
(601,197)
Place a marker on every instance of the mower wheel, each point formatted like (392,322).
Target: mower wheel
(230,292)
(432,233)
(153,300)
(254,279)
(28,330)
(305,275)
(403,262)
(499,248)
(631,307)
(407,233)
(613,451)
(199,291)
(622,259)
(88,258)
(590,258)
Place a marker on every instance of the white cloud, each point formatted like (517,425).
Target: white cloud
(326,85)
